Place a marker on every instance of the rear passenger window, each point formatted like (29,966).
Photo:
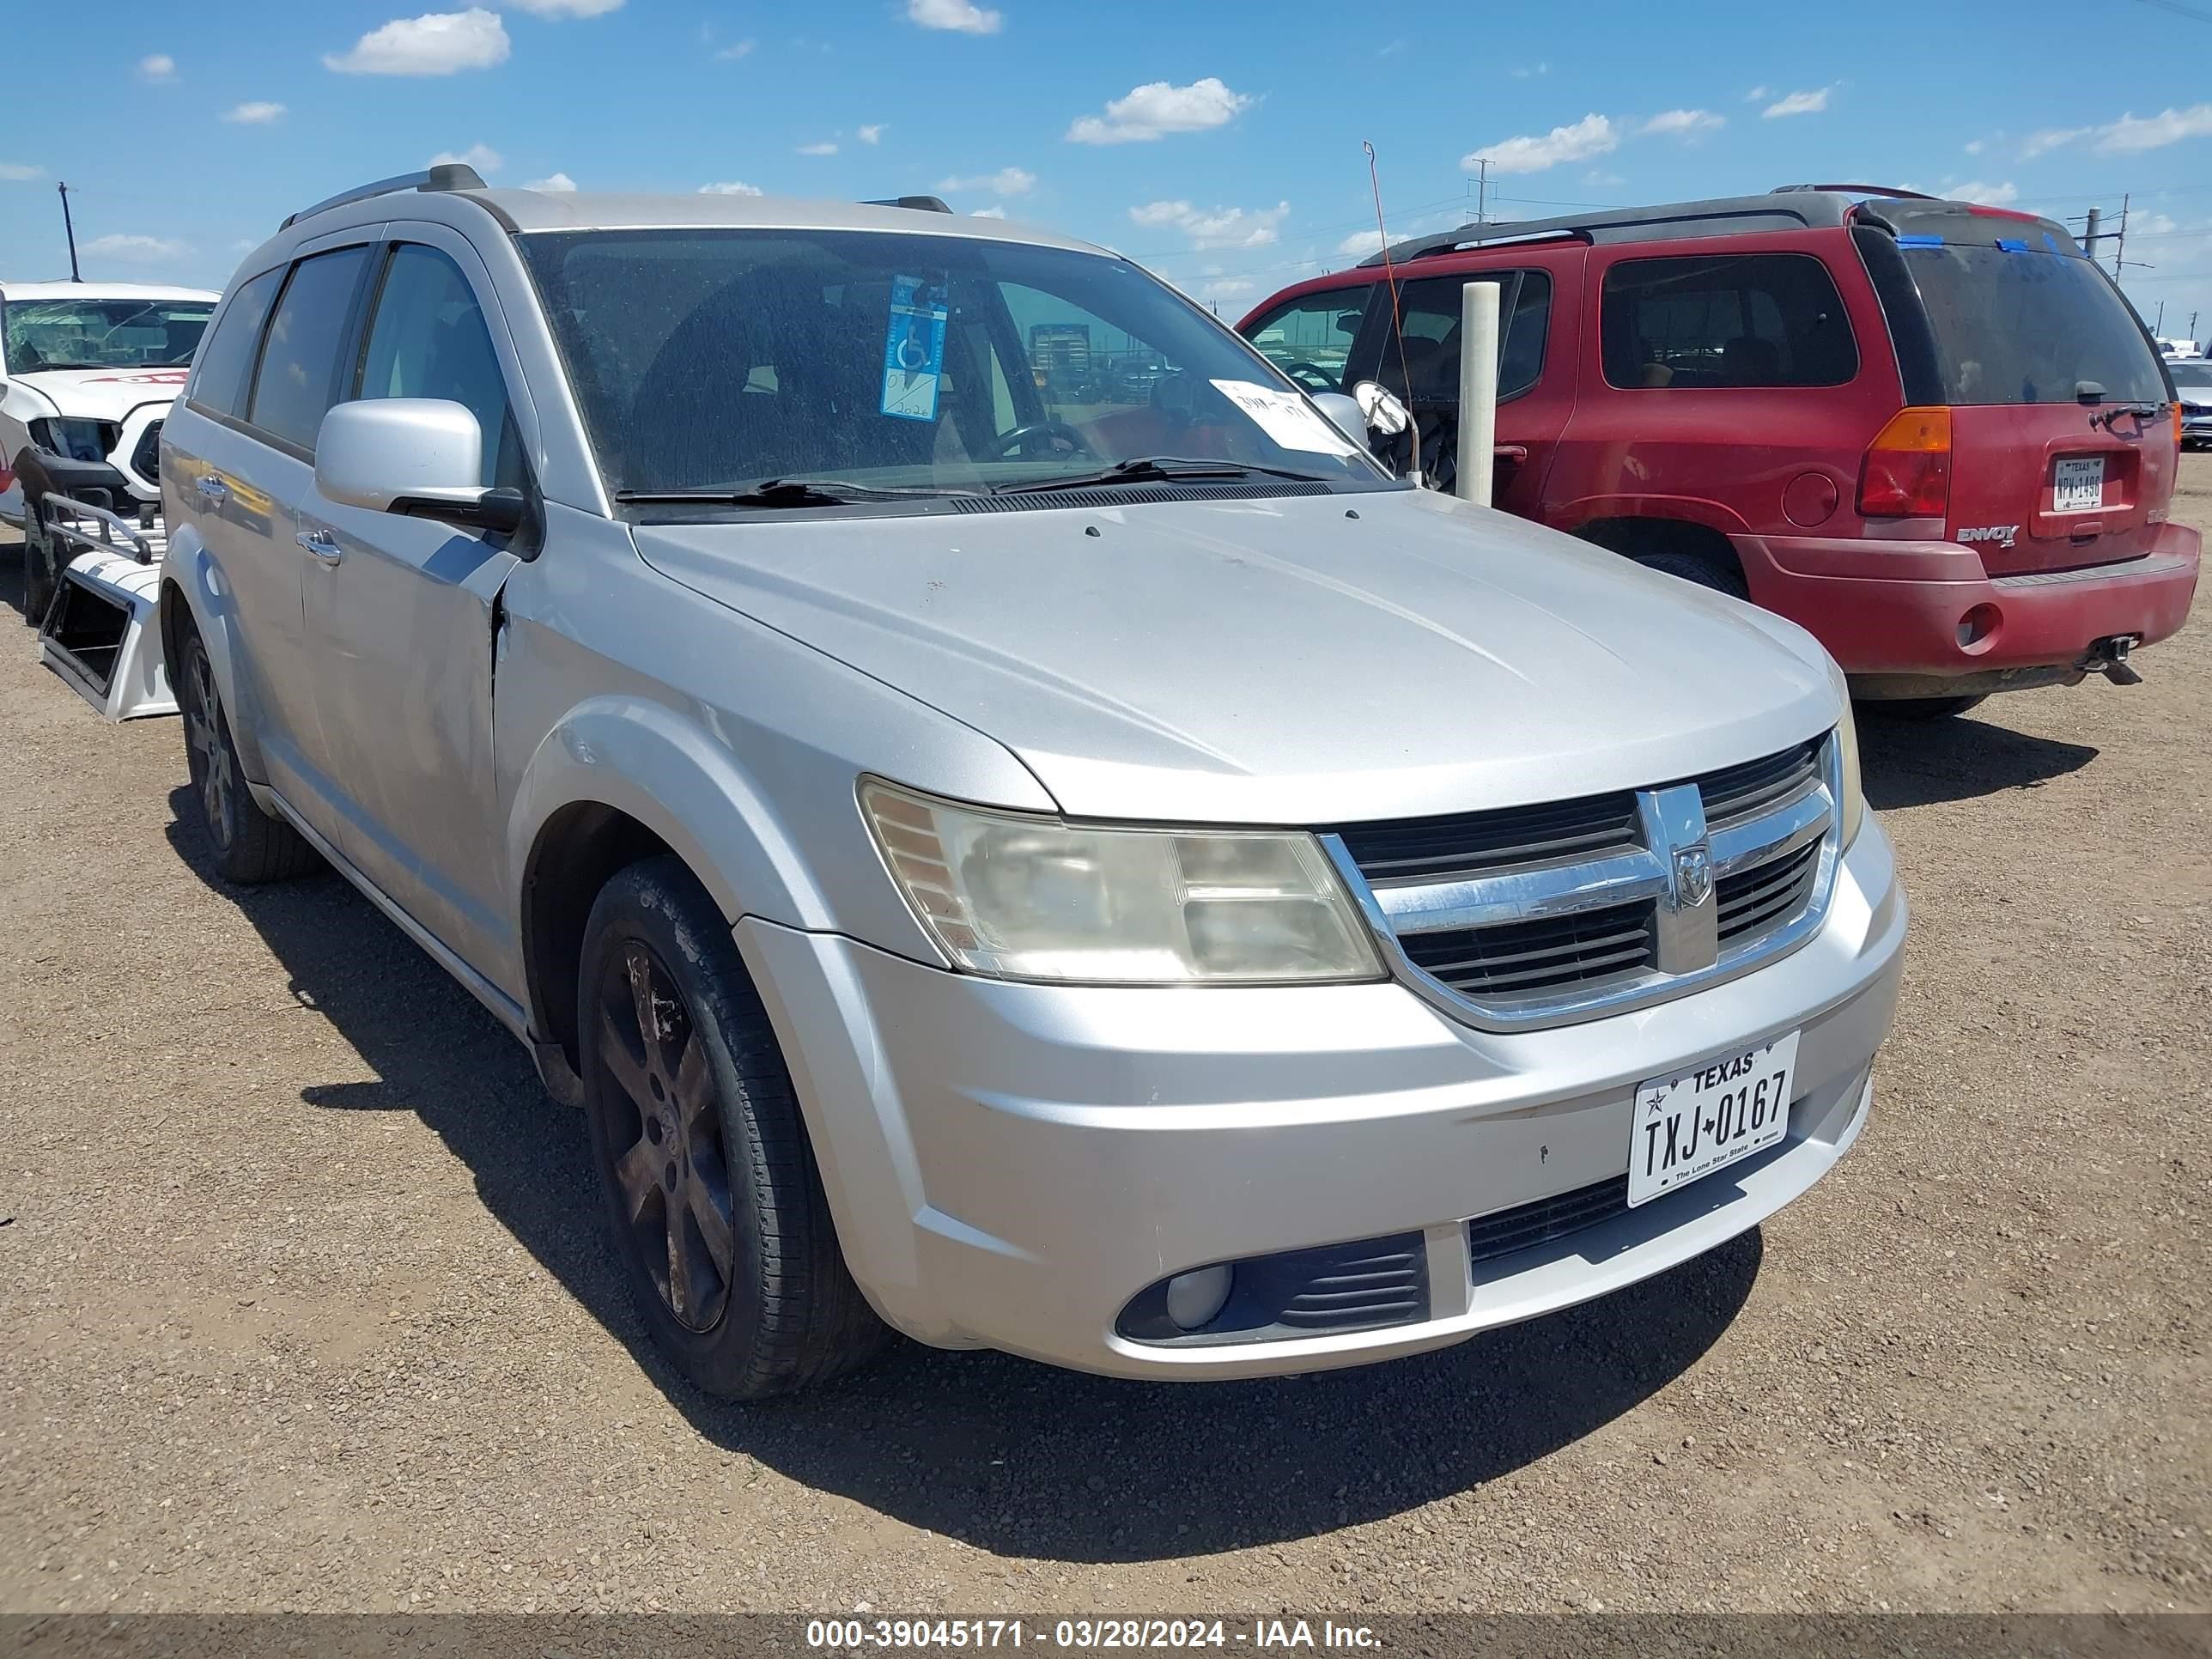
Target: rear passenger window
(1430,308)
(427,339)
(226,358)
(298,375)
(1310,339)
(1739,319)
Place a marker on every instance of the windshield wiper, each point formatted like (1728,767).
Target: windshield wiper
(1158,469)
(777,492)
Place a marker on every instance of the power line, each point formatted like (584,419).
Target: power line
(2181,10)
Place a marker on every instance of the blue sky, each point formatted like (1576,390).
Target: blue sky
(1220,144)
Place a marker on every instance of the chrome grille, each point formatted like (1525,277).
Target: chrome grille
(1537,915)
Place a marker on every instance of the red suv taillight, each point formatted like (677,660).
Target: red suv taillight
(1907,470)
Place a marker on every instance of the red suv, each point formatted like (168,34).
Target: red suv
(1933,433)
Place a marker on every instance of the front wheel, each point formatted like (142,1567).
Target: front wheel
(39,575)
(717,1205)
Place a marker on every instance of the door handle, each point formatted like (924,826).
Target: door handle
(211,487)
(321,543)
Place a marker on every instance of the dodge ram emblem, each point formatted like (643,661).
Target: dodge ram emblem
(1693,877)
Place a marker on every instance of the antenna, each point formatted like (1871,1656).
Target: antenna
(1397,317)
(69,229)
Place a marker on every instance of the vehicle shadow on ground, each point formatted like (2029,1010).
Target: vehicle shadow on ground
(1009,1456)
(1908,762)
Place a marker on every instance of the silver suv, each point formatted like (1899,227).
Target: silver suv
(1081,864)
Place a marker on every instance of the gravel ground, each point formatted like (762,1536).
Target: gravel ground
(306,1304)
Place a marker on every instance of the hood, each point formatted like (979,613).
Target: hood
(104,394)
(1299,661)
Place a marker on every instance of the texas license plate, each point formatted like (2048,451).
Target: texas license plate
(1697,1122)
(2080,485)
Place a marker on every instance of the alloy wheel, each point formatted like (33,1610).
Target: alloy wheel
(209,753)
(664,1136)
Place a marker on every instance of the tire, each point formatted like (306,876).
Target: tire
(1922,708)
(40,576)
(251,847)
(710,1184)
(1698,568)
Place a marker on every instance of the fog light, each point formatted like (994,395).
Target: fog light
(1194,1298)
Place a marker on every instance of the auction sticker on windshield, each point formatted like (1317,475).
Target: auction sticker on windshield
(1699,1120)
(1287,418)
(913,348)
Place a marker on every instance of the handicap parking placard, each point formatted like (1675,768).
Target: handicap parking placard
(913,348)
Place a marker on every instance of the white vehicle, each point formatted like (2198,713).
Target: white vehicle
(87,372)
(2173,350)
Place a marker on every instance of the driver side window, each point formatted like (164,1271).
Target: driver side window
(429,340)
(1310,338)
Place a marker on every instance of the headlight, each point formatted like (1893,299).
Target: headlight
(1017,896)
(76,438)
(1847,740)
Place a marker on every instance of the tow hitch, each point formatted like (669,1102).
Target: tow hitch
(2108,657)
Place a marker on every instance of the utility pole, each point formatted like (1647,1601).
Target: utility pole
(2093,235)
(2159,327)
(69,229)
(2120,245)
(2192,325)
(1481,182)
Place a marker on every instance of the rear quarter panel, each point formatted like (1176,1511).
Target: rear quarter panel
(1722,455)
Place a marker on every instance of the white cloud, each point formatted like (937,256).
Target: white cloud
(989,212)
(1360,244)
(19,170)
(558,183)
(737,49)
(1798,103)
(1687,122)
(436,43)
(730,187)
(1599,176)
(825,147)
(2157,224)
(962,14)
(157,66)
(1216,227)
(1758,95)
(1158,108)
(483,157)
(254,115)
(567,8)
(135,250)
(1528,72)
(1227,287)
(1006,181)
(2132,133)
(872,134)
(2049,138)
(1975,146)
(1591,136)
(1983,191)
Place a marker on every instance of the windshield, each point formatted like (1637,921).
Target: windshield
(2029,328)
(104,333)
(2190,374)
(712,362)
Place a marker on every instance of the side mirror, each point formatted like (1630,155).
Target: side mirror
(1381,408)
(418,457)
(1344,414)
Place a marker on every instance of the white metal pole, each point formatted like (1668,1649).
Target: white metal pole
(1478,390)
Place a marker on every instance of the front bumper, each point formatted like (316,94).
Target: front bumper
(1009,1165)
(1908,608)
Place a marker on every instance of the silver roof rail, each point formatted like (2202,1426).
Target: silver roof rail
(448,175)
